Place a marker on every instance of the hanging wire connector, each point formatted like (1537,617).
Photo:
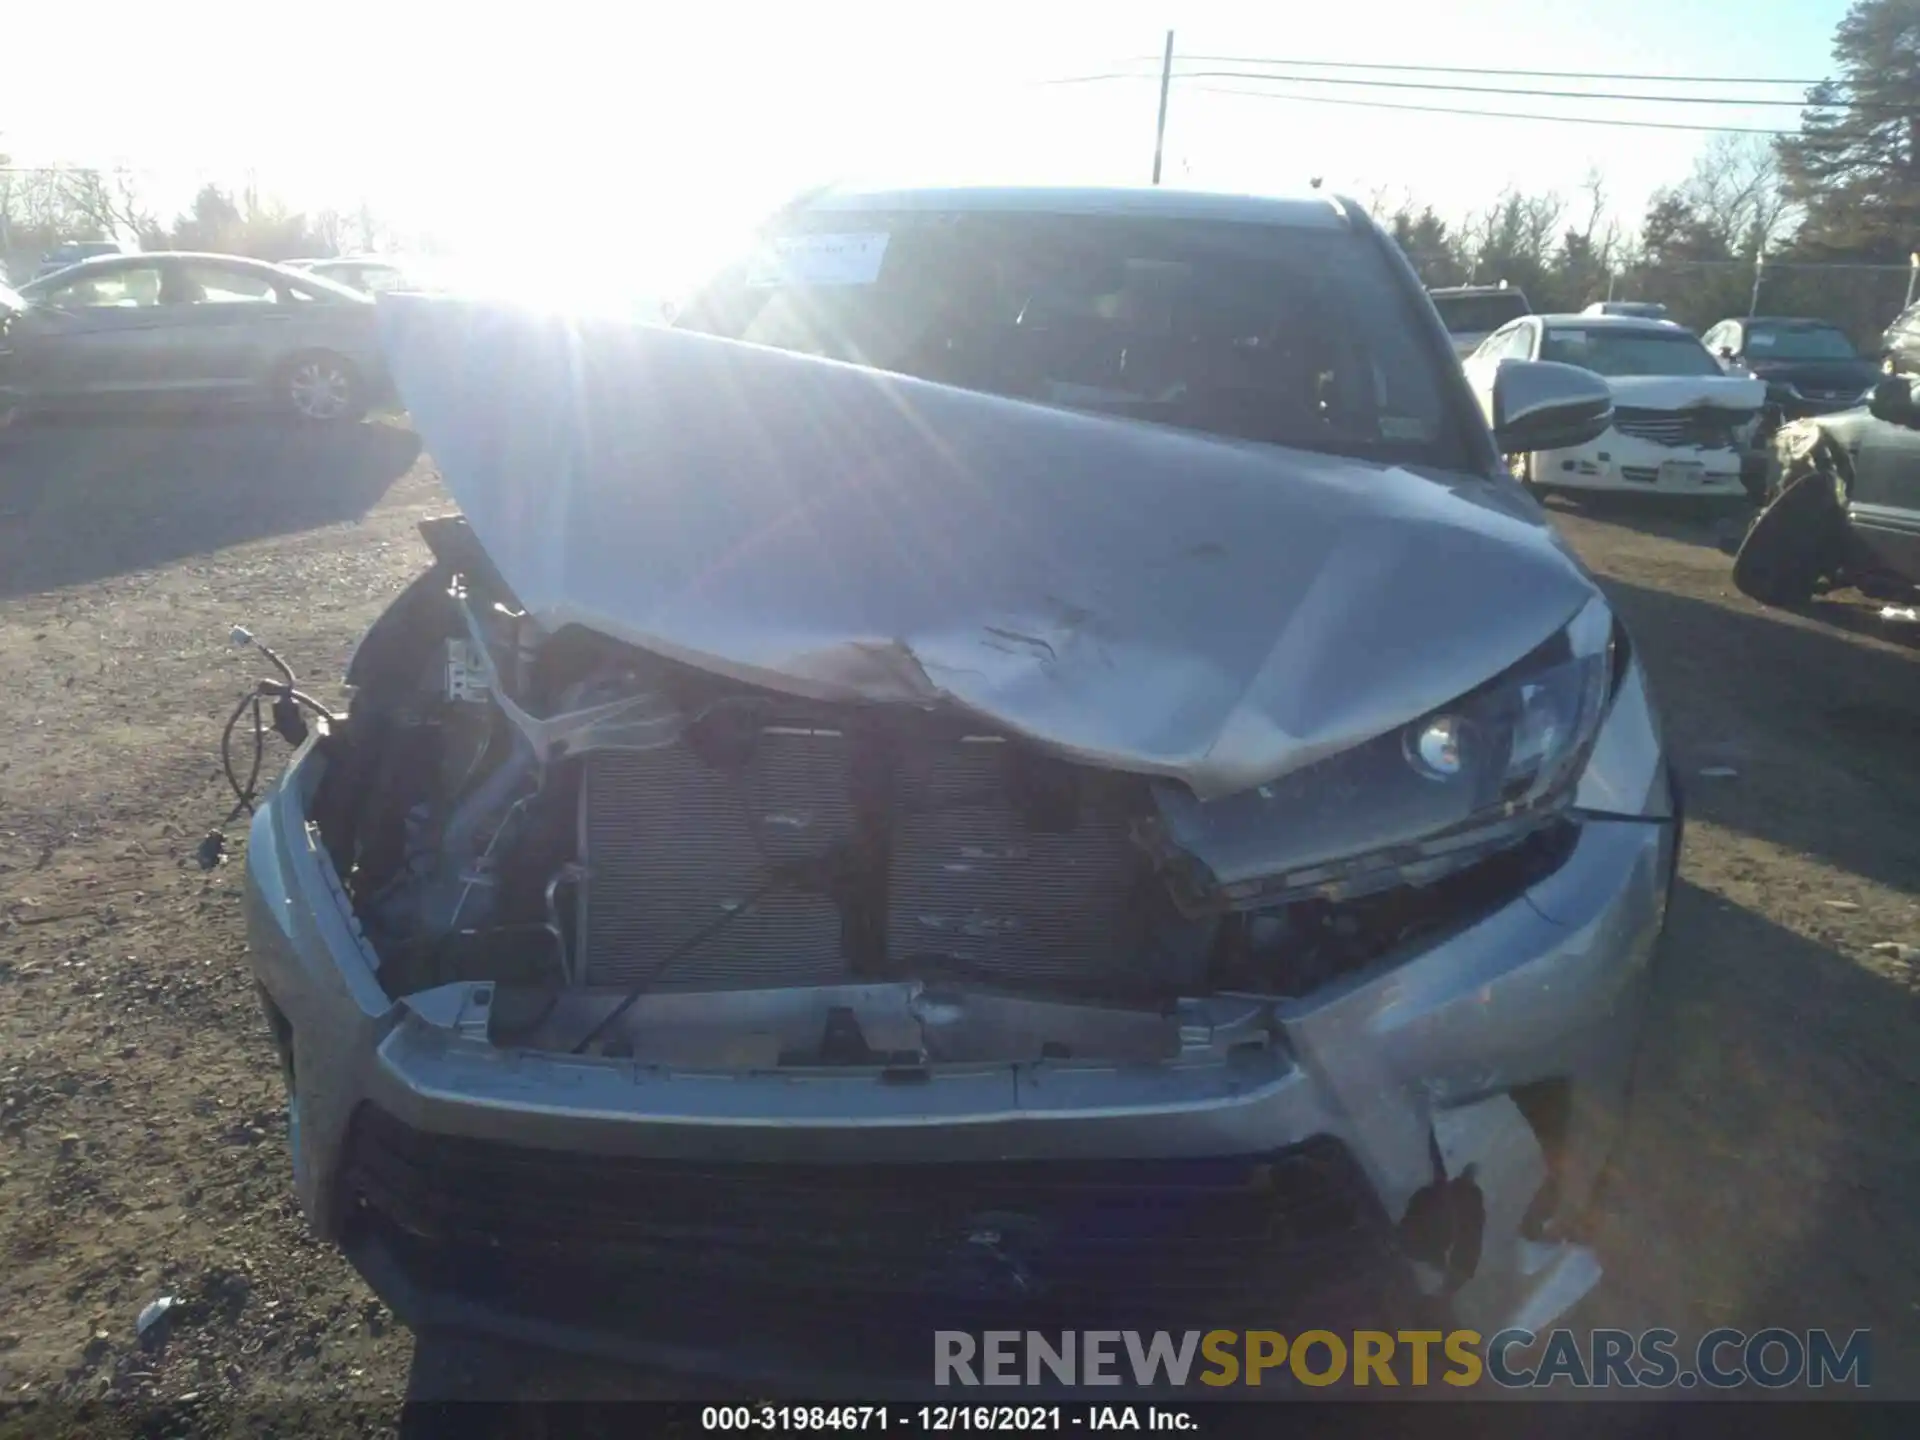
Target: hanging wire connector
(278,700)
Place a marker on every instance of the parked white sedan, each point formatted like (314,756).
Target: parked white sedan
(1681,425)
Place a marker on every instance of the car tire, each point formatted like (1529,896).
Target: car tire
(321,387)
(1793,544)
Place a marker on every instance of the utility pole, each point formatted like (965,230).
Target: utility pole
(1166,84)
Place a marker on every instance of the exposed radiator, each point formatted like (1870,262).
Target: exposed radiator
(974,880)
(672,844)
(979,861)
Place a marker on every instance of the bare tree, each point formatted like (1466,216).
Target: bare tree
(1594,187)
(329,229)
(1735,196)
(1514,238)
(36,211)
(109,202)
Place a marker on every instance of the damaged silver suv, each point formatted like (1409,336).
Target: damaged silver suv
(1023,765)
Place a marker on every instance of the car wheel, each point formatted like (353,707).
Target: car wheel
(321,386)
(1793,544)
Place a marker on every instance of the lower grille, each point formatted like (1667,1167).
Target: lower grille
(1708,427)
(1174,1242)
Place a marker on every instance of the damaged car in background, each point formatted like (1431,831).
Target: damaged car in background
(1680,425)
(1023,765)
(1843,510)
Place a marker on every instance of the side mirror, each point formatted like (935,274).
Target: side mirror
(1892,400)
(1544,405)
(1726,352)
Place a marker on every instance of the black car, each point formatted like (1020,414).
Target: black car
(1810,366)
(1844,510)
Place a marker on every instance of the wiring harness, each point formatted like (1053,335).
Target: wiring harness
(278,700)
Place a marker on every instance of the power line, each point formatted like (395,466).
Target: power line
(1493,89)
(1520,92)
(1490,114)
(1485,70)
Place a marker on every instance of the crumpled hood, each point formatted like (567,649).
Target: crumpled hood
(1122,594)
(1685,392)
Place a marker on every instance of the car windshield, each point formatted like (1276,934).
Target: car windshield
(1480,314)
(1289,336)
(1799,342)
(1622,351)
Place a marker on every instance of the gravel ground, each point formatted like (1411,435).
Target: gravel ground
(1771,1175)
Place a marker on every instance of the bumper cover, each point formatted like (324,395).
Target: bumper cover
(1376,1088)
(1623,463)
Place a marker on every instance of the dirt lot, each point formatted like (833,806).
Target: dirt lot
(1772,1173)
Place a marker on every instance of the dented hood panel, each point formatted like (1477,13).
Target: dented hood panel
(1686,392)
(1123,594)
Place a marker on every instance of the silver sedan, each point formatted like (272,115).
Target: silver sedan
(179,328)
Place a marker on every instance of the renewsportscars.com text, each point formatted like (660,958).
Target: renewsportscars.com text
(1513,1359)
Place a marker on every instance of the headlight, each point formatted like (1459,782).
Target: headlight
(1419,800)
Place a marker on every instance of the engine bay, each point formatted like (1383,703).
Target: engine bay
(641,859)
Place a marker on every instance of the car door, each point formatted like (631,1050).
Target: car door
(95,334)
(1883,502)
(224,322)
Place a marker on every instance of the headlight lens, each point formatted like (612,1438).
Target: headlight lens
(1452,783)
(1509,742)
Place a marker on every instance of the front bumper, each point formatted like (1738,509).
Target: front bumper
(1622,463)
(472,1185)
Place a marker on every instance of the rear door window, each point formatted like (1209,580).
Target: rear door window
(203,284)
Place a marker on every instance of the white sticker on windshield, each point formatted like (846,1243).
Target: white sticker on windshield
(818,260)
(1404,427)
(1760,340)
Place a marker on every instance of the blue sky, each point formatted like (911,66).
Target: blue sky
(488,123)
